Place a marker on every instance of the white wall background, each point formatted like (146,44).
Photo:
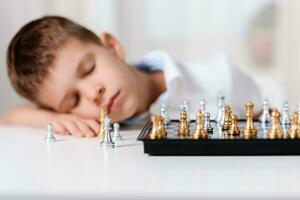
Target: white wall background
(187,29)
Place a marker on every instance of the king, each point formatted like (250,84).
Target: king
(250,131)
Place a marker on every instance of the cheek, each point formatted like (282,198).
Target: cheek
(127,109)
(130,106)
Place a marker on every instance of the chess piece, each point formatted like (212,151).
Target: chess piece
(199,133)
(234,129)
(222,118)
(298,114)
(102,113)
(227,118)
(164,114)
(228,136)
(202,106)
(116,135)
(221,105)
(106,140)
(50,136)
(207,126)
(186,107)
(250,131)
(265,118)
(161,130)
(183,130)
(275,130)
(285,117)
(294,130)
(154,131)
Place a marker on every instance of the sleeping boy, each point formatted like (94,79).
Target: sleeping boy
(66,72)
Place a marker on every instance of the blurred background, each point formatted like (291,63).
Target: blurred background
(261,37)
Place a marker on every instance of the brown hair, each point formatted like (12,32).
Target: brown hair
(33,49)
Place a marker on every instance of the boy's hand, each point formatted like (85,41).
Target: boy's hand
(74,125)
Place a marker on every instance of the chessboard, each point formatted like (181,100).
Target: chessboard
(218,142)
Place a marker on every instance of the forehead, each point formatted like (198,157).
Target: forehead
(61,75)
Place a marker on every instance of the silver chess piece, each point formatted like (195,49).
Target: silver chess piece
(206,125)
(106,140)
(50,136)
(164,113)
(202,105)
(265,117)
(285,116)
(116,135)
(223,117)
(221,112)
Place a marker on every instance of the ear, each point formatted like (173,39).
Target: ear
(109,42)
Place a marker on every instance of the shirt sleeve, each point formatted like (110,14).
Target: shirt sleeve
(217,74)
(243,89)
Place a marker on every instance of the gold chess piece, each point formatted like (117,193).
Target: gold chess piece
(227,119)
(154,131)
(250,131)
(227,136)
(275,131)
(234,129)
(294,130)
(199,133)
(184,127)
(162,133)
(102,113)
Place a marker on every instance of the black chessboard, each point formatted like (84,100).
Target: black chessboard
(218,143)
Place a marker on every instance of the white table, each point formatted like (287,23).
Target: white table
(80,168)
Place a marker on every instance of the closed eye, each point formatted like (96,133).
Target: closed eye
(90,70)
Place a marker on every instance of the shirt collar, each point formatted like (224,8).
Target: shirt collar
(160,60)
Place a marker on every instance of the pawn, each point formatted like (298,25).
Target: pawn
(116,135)
(106,140)
(294,130)
(164,114)
(221,105)
(285,117)
(265,118)
(234,129)
(275,130)
(249,131)
(202,105)
(199,133)
(154,131)
(183,130)
(207,126)
(50,136)
(186,107)
(227,118)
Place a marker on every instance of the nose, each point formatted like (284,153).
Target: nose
(97,94)
(93,93)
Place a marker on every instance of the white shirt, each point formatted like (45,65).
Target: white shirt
(202,79)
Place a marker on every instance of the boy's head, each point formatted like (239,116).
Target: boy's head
(61,65)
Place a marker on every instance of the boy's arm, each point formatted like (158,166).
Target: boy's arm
(28,115)
(31,115)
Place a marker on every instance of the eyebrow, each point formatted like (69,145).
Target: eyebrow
(79,71)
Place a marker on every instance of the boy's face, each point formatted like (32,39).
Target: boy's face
(86,75)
